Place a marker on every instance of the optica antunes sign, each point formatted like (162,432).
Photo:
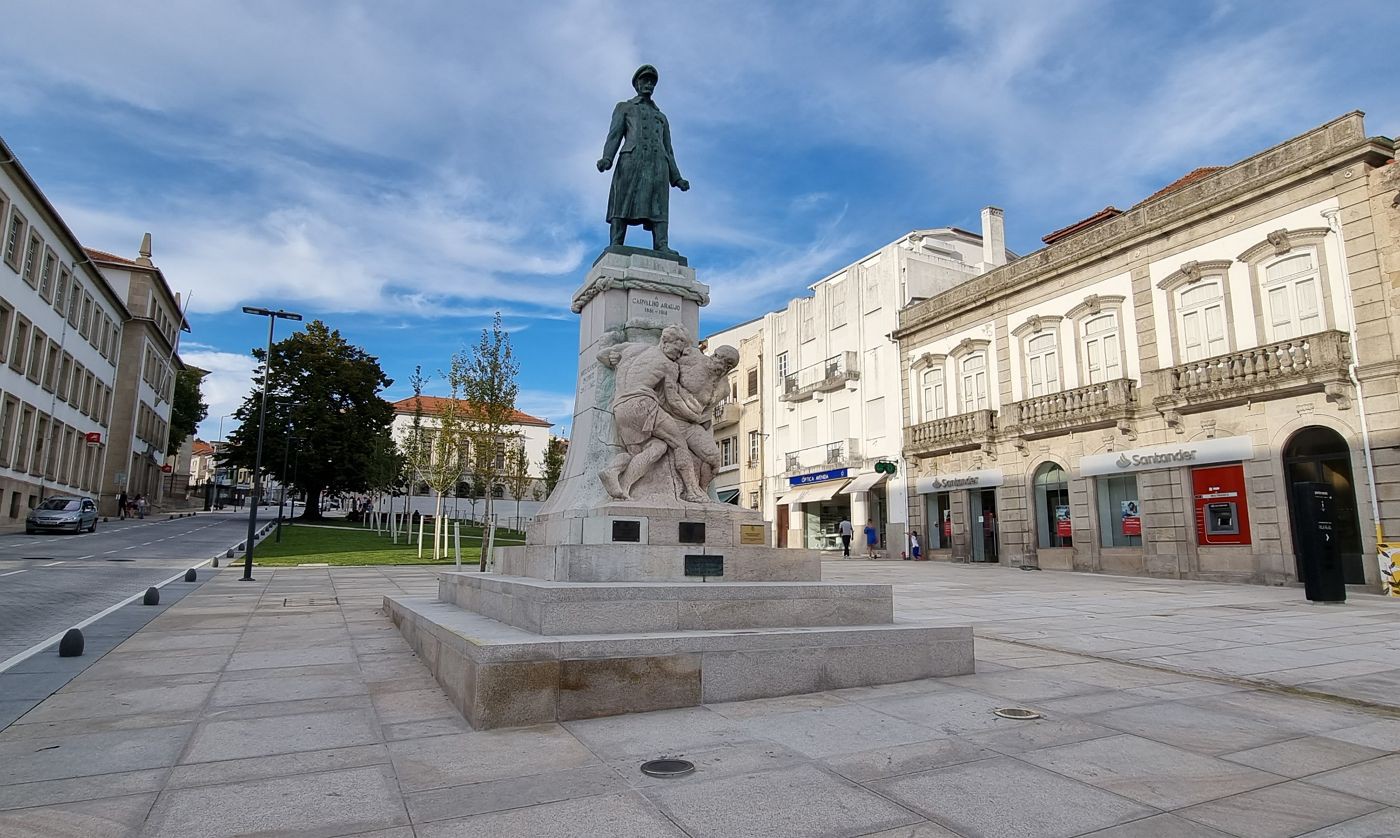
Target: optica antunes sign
(817,477)
(1228,449)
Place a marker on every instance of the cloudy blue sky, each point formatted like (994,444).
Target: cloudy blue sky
(402,170)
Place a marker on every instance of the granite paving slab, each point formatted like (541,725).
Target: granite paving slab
(1279,811)
(1004,798)
(798,802)
(1150,772)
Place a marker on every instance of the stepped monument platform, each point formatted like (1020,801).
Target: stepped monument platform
(636,590)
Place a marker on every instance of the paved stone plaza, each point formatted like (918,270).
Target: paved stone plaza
(291,706)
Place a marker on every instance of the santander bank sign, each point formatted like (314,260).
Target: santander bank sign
(1228,449)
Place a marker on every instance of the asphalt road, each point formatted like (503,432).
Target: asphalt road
(50,582)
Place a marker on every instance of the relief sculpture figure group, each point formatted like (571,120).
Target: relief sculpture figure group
(664,395)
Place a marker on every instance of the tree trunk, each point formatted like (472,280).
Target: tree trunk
(485,527)
(437,528)
(312,511)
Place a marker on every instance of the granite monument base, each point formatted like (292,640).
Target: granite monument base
(531,651)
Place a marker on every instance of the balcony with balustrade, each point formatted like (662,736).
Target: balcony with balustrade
(1283,369)
(842,453)
(726,413)
(960,432)
(824,377)
(1101,405)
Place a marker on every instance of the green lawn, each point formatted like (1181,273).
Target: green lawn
(305,544)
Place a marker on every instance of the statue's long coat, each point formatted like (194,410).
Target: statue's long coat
(646,168)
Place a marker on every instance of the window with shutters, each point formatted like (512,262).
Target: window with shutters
(1200,320)
(752,381)
(14,239)
(1042,364)
(31,259)
(973,386)
(1293,297)
(753,447)
(1103,356)
(932,397)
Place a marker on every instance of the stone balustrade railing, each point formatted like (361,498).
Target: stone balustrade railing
(960,432)
(1280,369)
(1094,405)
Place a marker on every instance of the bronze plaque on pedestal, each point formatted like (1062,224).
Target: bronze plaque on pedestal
(751,534)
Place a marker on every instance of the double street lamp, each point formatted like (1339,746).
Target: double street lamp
(272,318)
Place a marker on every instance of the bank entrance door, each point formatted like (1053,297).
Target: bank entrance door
(1320,455)
(982,526)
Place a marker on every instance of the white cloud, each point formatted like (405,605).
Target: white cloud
(230,379)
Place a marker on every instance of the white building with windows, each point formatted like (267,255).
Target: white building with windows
(737,421)
(1165,391)
(60,327)
(532,432)
(832,388)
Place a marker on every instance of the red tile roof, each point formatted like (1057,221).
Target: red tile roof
(1110,212)
(433,404)
(104,256)
(201,448)
(1102,215)
(1190,177)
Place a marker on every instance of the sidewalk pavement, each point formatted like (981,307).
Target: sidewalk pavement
(290,706)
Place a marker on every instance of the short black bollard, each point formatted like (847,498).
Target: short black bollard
(71,646)
(190,575)
(216,561)
(228,554)
(152,597)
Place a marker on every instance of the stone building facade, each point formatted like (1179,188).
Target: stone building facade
(145,385)
(60,342)
(1161,391)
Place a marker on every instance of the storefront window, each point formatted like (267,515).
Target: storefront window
(1120,519)
(939,512)
(1052,507)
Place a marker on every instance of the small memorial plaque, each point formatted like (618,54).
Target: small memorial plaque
(692,532)
(751,534)
(627,531)
(704,565)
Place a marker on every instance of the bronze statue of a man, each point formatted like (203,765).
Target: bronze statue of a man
(646,167)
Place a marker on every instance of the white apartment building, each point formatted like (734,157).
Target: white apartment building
(832,396)
(60,330)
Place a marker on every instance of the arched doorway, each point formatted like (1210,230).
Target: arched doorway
(1320,455)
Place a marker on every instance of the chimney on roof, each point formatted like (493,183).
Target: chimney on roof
(993,238)
(145,257)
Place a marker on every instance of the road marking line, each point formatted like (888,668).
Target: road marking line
(13,572)
(41,645)
(51,564)
(93,556)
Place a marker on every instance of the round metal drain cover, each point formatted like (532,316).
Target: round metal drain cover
(667,767)
(1016,713)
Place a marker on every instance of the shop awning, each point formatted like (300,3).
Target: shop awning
(865,482)
(812,492)
(728,495)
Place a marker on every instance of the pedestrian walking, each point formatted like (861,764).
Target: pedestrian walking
(872,540)
(846,531)
(121,506)
(914,545)
(141,506)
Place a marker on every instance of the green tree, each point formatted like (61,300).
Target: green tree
(325,393)
(187,407)
(446,447)
(552,466)
(486,379)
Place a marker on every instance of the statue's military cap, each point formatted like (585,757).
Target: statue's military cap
(645,70)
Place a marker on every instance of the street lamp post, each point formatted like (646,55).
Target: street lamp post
(272,318)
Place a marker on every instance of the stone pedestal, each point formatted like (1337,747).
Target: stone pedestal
(618,606)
